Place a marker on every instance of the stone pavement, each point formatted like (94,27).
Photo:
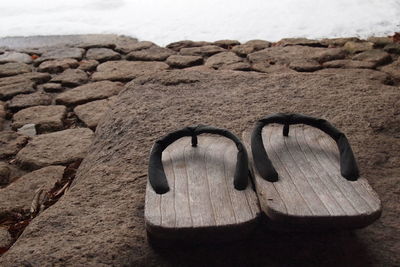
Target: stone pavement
(55,91)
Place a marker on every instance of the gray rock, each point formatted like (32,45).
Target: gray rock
(92,112)
(204,51)
(2,114)
(61,53)
(376,56)
(349,64)
(58,65)
(227,44)
(380,41)
(222,59)
(336,42)
(15,57)
(357,47)
(300,41)
(14,68)
(177,46)
(299,58)
(154,53)
(100,219)
(393,70)
(5,237)
(10,143)
(58,148)
(52,87)
(10,170)
(46,118)
(126,70)
(242,66)
(393,48)
(365,74)
(28,129)
(102,54)
(177,61)
(8,91)
(250,47)
(89,92)
(29,100)
(71,77)
(4,174)
(88,65)
(127,47)
(19,194)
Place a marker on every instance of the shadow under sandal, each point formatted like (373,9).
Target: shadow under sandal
(198,187)
(307,178)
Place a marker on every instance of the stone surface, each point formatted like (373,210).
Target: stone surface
(373,76)
(88,65)
(393,70)
(177,46)
(357,47)
(61,53)
(243,66)
(11,56)
(13,171)
(35,77)
(376,56)
(349,64)
(8,91)
(102,54)
(29,100)
(177,61)
(4,173)
(100,219)
(222,59)
(299,41)
(19,195)
(336,42)
(250,47)
(126,70)
(92,112)
(10,143)
(58,65)
(227,43)
(393,48)
(128,47)
(52,87)
(71,77)
(380,41)
(299,58)
(5,238)
(28,129)
(2,114)
(13,68)
(58,148)
(46,118)
(204,51)
(89,92)
(153,53)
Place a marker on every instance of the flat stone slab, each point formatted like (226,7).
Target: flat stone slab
(222,59)
(299,58)
(21,84)
(71,77)
(250,47)
(357,46)
(52,87)
(58,65)
(11,56)
(204,51)
(61,53)
(127,47)
(10,143)
(91,113)
(349,64)
(58,148)
(89,92)
(13,68)
(19,195)
(178,61)
(88,65)
(29,100)
(126,70)
(153,53)
(46,118)
(105,204)
(393,69)
(102,54)
(10,90)
(376,56)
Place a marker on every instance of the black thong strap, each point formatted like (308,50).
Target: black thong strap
(348,165)
(157,176)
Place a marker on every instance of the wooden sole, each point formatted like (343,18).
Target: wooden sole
(202,203)
(310,194)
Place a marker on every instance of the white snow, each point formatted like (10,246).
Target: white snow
(163,21)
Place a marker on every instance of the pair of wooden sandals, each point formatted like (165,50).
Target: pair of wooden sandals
(208,188)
